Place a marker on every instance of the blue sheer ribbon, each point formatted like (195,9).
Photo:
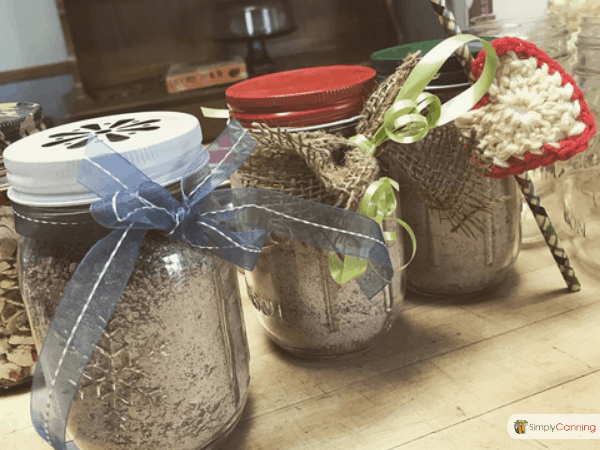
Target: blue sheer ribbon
(231,223)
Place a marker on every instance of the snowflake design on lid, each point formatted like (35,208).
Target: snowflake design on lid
(115,132)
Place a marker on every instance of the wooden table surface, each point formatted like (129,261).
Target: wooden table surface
(448,375)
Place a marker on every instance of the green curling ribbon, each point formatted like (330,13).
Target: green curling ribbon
(379,204)
(403,121)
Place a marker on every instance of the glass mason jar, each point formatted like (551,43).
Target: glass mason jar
(451,263)
(172,367)
(300,306)
(302,309)
(548,32)
(581,187)
(17,347)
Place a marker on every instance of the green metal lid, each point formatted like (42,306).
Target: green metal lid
(386,61)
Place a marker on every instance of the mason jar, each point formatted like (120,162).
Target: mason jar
(171,368)
(301,308)
(450,262)
(581,187)
(17,347)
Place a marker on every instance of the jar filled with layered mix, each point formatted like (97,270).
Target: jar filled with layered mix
(300,306)
(17,346)
(171,367)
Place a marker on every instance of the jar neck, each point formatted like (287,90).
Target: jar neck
(64,224)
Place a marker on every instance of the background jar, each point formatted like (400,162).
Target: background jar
(451,263)
(581,187)
(171,369)
(302,309)
(17,347)
(549,33)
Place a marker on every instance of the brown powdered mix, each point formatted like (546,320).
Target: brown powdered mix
(171,370)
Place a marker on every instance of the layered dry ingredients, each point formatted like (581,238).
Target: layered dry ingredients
(171,370)
(17,349)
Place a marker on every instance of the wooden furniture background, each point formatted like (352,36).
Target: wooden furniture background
(448,375)
(122,49)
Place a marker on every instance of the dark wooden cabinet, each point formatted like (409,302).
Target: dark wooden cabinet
(121,49)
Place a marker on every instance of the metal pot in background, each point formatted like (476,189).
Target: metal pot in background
(253,21)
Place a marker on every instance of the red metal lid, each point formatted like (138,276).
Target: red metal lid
(295,90)
(303,118)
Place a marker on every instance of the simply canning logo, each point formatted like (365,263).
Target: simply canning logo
(554,426)
(520,426)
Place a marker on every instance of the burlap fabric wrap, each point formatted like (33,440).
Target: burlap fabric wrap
(445,166)
(317,166)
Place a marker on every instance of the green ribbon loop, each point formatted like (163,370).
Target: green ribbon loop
(403,121)
(379,203)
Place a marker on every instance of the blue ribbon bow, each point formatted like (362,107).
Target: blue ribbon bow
(231,223)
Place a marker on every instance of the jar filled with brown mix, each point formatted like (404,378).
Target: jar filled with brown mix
(171,367)
(298,303)
(468,249)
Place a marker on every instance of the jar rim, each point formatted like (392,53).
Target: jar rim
(43,168)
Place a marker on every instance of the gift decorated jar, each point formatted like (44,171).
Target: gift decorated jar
(469,237)
(170,368)
(298,303)
(17,347)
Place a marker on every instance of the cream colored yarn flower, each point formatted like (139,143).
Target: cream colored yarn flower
(533,113)
(528,108)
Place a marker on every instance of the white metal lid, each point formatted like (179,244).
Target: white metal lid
(43,168)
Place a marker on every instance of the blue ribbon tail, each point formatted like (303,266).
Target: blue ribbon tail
(323,226)
(78,324)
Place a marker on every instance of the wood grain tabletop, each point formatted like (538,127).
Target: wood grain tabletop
(448,375)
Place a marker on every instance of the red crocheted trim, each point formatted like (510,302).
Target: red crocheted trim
(569,146)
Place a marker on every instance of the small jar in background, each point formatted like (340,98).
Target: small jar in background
(301,308)
(172,367)
(451,263)
(548,32)
(17,346)
(581,174)
(588,44)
